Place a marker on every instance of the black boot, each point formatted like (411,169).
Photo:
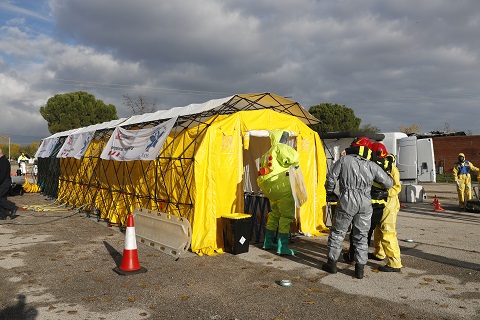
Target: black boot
(388,269)
(372,256)
(13,213)
(330,266)
(359,271)
(3,214)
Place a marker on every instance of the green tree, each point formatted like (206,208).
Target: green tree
(14,150)
(334,117)
(75,110)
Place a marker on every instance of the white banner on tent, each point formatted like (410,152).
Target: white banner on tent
(46,148)
(142,144)
(75,145)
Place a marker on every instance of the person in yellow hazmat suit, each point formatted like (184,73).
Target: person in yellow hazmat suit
(461,174)
(385,234)
(274,182)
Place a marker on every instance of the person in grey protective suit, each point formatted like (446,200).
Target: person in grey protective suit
(355,175)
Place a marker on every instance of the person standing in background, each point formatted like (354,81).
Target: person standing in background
(461,174)
(22,163)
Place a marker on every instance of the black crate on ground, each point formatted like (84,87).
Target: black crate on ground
(237,232)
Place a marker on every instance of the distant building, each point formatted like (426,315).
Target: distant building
(447,146)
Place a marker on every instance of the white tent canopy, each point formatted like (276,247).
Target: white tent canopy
(233,104)
(190,109)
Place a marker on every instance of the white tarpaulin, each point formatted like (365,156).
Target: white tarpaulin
(75,145)
(46,148)
(142,144)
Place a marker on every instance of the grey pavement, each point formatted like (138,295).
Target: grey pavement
(58,264)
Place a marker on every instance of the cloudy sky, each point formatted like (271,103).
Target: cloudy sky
(395,63)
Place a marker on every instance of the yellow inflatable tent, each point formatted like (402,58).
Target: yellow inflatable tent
(205,167)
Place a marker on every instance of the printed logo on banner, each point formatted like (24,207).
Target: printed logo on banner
(85,144)
(154,138)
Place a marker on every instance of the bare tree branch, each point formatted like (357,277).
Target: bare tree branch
(141,105)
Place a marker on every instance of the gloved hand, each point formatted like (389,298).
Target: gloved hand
(331,196)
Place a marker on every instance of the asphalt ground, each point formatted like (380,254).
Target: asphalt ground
(58,264)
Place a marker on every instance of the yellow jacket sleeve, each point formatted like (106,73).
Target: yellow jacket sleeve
(473,168)
(397,186)
(455,172)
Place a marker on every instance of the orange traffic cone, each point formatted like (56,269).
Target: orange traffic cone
(438,207)
(130,264)
(435,201)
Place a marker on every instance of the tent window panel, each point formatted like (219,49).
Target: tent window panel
(306,144)
(227,144)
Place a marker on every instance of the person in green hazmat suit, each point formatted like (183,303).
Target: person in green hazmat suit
(274,182)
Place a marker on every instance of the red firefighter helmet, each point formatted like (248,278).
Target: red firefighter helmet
(379,149)
(362,141)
